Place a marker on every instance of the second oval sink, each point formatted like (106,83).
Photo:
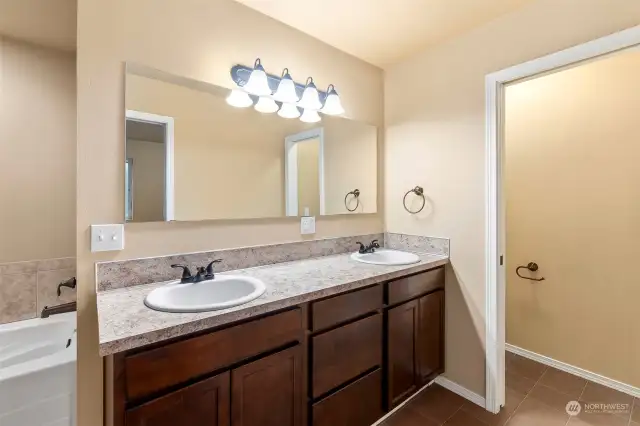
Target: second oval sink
(386,257)
(224,291)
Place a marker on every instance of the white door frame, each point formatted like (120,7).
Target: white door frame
(495,208)
(291,168)
(169,196)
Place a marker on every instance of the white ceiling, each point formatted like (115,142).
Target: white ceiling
(383,31)
(50,23)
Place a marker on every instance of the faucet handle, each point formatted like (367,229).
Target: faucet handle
(186,273)
(375,244)
(209,269)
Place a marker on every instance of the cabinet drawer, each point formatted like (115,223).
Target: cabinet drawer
(341,354)
(335,310)
(413,286)
(156,369)
(359,404)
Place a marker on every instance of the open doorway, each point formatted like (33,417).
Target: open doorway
(579,174)
(149,195)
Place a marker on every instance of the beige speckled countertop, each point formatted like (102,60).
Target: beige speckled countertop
(126,323)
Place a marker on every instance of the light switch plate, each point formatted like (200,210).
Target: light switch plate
(107,237)
(307,225)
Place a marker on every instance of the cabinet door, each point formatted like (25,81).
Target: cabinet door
(431,336)
(205,403)
(268,392)
(402,369)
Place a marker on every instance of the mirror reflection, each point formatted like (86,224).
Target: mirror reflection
(191,156)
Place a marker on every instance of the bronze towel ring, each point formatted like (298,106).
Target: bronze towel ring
(419,191)
(356,195)
(533,267)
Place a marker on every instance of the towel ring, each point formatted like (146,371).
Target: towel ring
(419,191)
(356,195)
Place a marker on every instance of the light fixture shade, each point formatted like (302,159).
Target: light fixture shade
(258,84)
(266,105)
(310,116)
(289,111)
(286,89)
(239,98)
(310,97)
(332,104)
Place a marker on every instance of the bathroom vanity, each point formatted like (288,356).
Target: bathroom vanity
(345,359)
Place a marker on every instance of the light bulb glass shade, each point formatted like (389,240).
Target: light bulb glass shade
(239,99)
(258,84)
(310,97)
(266,105)
(289,111)
(286,89)
(332,104)
(310,116)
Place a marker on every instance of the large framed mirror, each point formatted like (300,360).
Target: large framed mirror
(191,156)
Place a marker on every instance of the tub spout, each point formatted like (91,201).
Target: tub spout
(48,311)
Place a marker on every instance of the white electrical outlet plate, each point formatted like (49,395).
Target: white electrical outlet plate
(308,225)
(107,237)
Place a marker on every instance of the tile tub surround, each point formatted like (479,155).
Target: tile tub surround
(416,243)
(127,273)
(124,321)
(27,287)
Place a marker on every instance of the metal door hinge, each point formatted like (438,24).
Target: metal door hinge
(501,259)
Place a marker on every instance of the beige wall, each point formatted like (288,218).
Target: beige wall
(350,158)
(201,40)
(573,199)
(308,177)
(147,177)
(434,117)
(37,152)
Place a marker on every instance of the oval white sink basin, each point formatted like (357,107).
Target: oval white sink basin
(386,257)
(224,291)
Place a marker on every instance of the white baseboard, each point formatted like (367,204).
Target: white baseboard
(402,404)
(462,391)
(576,371)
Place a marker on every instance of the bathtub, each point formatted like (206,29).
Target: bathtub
(38,371)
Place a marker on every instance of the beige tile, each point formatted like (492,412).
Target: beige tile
(535,413)
(563,382)
(48,285)
(54,264)
(550,397)
(17,297)
(437,403)
(519,383)
(512,401)
(524,367)
(19,267)
(597,393)
(462,418)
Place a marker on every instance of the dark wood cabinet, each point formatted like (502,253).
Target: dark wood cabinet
(268,392)
(431,336)
(337,361)
(205,403)
(402,361)
(415,345)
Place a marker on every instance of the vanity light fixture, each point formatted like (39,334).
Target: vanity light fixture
(289,98)
(239,98)
(258,84)
(286,92)
(310,116)
(266,105)
(289,111)
(332,104)
(310,97)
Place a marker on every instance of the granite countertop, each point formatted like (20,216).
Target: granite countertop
(126,323)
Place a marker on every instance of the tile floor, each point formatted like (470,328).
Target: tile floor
(536,395)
